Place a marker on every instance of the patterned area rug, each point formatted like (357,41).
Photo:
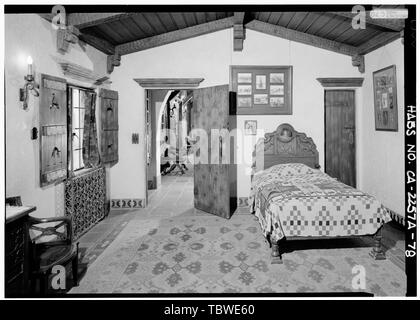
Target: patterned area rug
(200,253)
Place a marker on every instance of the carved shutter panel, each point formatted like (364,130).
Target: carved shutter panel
(53,129)
(109,125)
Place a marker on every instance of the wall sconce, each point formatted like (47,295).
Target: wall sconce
(29,85)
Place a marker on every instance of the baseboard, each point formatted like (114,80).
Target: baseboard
(128,203)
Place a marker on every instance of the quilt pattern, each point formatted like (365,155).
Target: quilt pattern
(313,205)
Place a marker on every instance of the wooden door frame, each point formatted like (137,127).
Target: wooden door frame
(355,126)
(161,83)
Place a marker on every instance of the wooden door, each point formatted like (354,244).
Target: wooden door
(340,152)
(211,180)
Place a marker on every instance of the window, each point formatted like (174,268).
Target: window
(77,98)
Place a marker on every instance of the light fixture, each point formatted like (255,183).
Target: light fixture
(29,85)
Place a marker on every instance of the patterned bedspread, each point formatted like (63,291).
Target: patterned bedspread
(313,205)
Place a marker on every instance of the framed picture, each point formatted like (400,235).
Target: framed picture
(244,77)
(260,99)
(277,102)
(276,77)
(260,83)
(385,99)
(250,127)
(262,90)
(277,90)
(244,102)
(244,90)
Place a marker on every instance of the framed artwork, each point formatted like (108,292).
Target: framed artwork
(262,89)
(260,83)
(385,99)
(250,127)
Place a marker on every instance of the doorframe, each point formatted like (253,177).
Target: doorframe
(355,128)
(161,83)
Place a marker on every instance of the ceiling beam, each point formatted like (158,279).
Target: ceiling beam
(86,20)
(173,36)
(391,24)
(238,31)
(98,43)
(301,37)
(378,41)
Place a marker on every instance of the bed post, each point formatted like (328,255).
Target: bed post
(275,253)
(377,252)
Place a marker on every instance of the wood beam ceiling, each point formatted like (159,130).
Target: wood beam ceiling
(391,24)
(174,36)
(86,20)
(301,37)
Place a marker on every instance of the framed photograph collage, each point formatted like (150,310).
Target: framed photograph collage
(385,97)
(262,89)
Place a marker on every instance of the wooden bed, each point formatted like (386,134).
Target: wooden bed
(286,145)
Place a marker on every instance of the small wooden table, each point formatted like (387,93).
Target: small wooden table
(16,275)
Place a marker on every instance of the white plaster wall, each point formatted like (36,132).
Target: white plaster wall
(209,57)
(28,34)
(382,165)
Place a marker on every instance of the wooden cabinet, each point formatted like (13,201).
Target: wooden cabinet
(109,125)
(53,129)
(15,251)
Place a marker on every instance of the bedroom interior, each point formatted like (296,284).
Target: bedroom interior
(203,152)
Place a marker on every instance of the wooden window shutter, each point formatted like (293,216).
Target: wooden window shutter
(53,129)
(109,125)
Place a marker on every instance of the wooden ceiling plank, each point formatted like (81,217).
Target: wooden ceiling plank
(342,34)
(160,22)
(188,19)
(307,20)
(362,36)
(111,33)
(313,23)
(378,41)
(174,36)
(291,18)
(201,17)
(179,20)
(86,20)
(98,43)
(301,37)
(391,24)
(142,22)
(297,20)
(151,25)
(328,25)
(131,23)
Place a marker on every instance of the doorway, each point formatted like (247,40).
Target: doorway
(179,131)
(340,151)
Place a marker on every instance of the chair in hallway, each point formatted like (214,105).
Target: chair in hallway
(50,244)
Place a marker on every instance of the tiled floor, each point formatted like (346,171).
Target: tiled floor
(174,198)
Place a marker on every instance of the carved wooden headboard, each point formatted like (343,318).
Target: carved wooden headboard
(284,145)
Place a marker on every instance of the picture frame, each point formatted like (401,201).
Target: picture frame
(250,127)
(268,87)
(385,99)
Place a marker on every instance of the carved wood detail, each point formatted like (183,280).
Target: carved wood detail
(65,37)
(238,31)
(285,145)
(359,62)
(113,61)
(173,83)
(340,82)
